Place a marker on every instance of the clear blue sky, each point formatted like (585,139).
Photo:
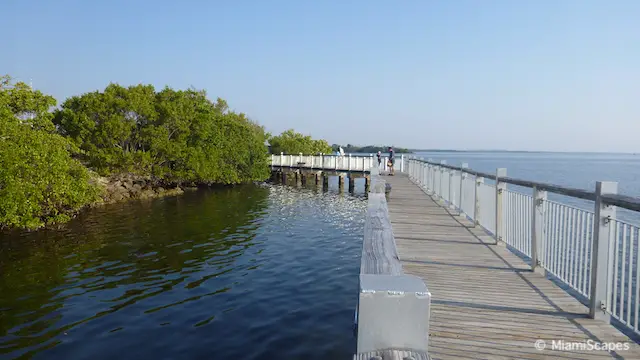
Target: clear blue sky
(518,75)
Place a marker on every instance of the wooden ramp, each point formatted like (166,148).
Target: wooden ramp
(486,302)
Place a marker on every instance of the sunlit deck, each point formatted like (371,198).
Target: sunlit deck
(486,303)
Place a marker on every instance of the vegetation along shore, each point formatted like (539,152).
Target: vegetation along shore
(122,143)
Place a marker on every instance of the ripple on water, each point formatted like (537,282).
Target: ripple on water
(250,272)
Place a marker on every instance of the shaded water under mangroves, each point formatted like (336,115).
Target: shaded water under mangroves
(252,272)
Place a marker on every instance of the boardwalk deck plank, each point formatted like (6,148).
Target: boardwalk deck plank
(486,303)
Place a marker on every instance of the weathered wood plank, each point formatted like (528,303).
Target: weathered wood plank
(379,254)
(392,354)
(486,303)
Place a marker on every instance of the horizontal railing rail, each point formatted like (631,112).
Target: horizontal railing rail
(392,315)
(592,252)
(562,190)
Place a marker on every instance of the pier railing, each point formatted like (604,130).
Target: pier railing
(392,316)
(593,252)
(356,163)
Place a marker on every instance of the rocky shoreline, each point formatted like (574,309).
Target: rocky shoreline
(124,187)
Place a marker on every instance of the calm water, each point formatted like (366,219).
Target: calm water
(254,272)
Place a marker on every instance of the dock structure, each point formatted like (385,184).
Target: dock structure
(320,167)
(461,264)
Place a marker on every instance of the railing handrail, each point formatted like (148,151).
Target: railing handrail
(623,201)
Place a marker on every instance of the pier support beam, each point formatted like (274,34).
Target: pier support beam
(318,177)
(325,182)
(341,182)
(284,177)
(352,183)
(303,179)
(367,184)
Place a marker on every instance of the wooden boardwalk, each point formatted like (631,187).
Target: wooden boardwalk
(486,302)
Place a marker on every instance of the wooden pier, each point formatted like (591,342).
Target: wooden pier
(319,168)
(457,265)
(486,302)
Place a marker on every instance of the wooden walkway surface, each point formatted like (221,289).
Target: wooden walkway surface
(486,302)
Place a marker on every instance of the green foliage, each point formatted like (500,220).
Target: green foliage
(173,136)
(39,181)
(31,107)
(369,149)
(176,136)
(291,142)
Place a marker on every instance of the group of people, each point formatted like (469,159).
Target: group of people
(390,161)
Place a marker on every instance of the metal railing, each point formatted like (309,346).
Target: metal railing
(592,252)
(358,163)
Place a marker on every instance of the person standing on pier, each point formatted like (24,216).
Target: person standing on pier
(392,160)
(379,155)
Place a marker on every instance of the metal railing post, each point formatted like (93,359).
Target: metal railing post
(450,174)
(602,252)
(422,174)
(500,187)
(441,173)
(425,177)
(401,163)
(463,175)
(412,169)
(431,181)
(476,201)
(537,228)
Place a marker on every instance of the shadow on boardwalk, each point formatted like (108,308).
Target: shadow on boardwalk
(486,302)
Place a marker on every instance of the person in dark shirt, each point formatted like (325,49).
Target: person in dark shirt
(392,161)
(379,155)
